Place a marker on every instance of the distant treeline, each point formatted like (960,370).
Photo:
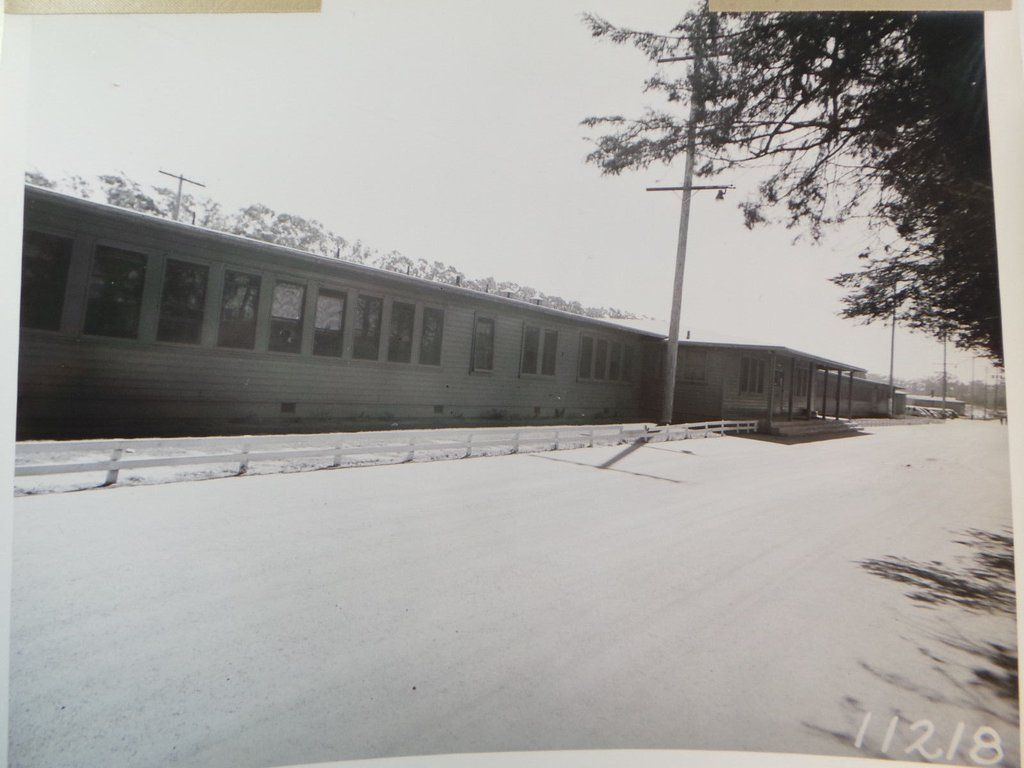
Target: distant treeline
(262,223)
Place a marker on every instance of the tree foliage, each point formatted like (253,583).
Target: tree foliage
(880,117)
(263,223)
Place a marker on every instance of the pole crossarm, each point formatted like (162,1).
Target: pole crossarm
(690,187)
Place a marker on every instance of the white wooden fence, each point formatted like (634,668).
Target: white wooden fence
(50,457)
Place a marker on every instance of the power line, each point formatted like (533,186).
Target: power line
(177,201)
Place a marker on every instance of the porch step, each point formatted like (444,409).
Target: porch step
(813,427)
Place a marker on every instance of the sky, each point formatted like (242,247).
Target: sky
(448,131)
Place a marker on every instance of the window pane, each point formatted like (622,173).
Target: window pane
(44,275)
(531,349)
(615,363)
(600,359)
(483,347)
(238,310)
(366,341)
(430,339)
(400,333)
(695,365)
(329,323)
(586,356)
(286,318)
(115,293)
(183,302)
(547,365)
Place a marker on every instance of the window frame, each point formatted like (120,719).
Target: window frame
(477,320)
(148,264)
(337,292)
(391,330)
(205,303)
(687,372)
(423,324)
(261,281)
(62,301)
(297,323)
(752,375)
(355,329)
(586,340)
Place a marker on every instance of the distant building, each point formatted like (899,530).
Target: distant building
(135,325)
(929,401)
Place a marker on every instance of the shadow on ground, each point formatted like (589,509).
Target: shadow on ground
(799,439)
(981,675)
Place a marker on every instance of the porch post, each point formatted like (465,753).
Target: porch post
(771,388)
(824,392)
(792,382)
(849,399)
(839,390)
(812,370)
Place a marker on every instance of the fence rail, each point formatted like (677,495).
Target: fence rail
(244,451)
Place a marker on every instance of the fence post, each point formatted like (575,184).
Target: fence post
(243,466)
(469,446)
(556,439)
(412,448)
(591,435)
(115,455)
(515,442)
(337,457)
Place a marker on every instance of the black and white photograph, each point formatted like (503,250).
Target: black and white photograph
(450,378)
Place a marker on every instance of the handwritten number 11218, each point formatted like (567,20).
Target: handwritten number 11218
(986,745)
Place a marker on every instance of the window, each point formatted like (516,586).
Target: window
(531,349)
(286,318)
(239,303)
(328,323)
(586,356)
(752,375)
(400,333)
(600,358)
(628,363)
(183,302)
(550,354)
(695,365)
(115,293)
(800,384)
(366,342)
(615,363)
(483,344)
(431,336)
(45,260)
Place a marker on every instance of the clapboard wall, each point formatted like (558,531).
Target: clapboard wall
(73,384)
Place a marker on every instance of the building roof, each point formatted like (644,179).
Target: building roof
(361,269)
(932,399)
(702,337)
(649,327)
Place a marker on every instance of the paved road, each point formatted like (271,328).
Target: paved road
(702,594)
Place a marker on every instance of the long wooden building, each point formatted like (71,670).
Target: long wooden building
(135,325)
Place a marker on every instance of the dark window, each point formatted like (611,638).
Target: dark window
(547,363)
(752,375)
(183,302)
(328,323)
(45,260)
(238,310)
(403,316)
(483,345)
(615,362)
(628,363)
(531,349)
(695,365)
(600,359)
(366,342)
(115,293)
(586,356)
(431,336)
(286,318)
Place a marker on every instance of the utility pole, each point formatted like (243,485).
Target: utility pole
(944,334)
(974,359)
(177,201)
(672,349)
(892,356)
